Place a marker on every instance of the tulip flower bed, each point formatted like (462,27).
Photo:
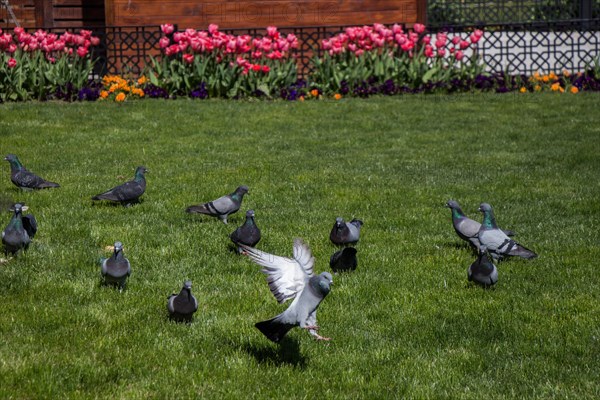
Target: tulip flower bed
(212,63)
(44,65)
(200,64)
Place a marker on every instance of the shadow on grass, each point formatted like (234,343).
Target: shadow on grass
(287,352)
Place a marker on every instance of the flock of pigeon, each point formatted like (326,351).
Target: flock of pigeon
(288,278)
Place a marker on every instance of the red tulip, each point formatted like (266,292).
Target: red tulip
(188,58)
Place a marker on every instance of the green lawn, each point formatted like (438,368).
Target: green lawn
(406,323)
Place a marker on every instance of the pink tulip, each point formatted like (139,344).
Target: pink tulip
(426,39)
(464,44)
(213,29)
(429,51)
(11,48)
(164,42)
(397,29)
(95,41)
(475,37)
(18,30)
(456,40)
(11,63)
(265,69)
(82,51)
(272,32)
(419,28)
(257,54)
(441,52)
(359,52)
(188,58)
(172,50)
(459,55)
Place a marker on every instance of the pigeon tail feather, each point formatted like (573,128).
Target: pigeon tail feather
(274,330)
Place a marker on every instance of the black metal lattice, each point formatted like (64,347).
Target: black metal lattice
(476,12)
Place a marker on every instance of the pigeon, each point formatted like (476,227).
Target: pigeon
(223,206)
(344,233)
(182,306)
(343,260)
(495,241)
(21,177)
(116,269)
(248,233)
(129,192)
(466,228)
(292,279)
(483,271)
(20,230)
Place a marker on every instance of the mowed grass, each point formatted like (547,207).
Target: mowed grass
(406,323)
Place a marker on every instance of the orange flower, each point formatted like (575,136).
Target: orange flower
(537,88)
(552,76)
(141,80)
(103,94)
(566,73)
(120,97)
(545,78)
(337,96)
(555,87)
(574,89)
(536,75)
(314,92)
(560,89)
(301,98)
(523,90)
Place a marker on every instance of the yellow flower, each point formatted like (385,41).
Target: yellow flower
(555,87)
(523,90)
(120,97)
(574,89)
(103,94)
(337,96)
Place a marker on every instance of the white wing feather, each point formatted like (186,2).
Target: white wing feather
(286,277)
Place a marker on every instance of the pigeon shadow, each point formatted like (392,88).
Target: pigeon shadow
(287,352)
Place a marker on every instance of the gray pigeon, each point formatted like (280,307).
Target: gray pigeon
(292,279)
(466,228)
(344,233)
(20,230)
(116,269)
(183,305)
(483,271)
(343,260)
(223,206)
(129,192)
(248,233)
(495,241)
(21,177)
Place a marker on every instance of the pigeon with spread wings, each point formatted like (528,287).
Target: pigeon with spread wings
(292,278)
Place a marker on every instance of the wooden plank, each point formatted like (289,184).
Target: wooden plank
(78,13)
(188,13)
(79,3)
